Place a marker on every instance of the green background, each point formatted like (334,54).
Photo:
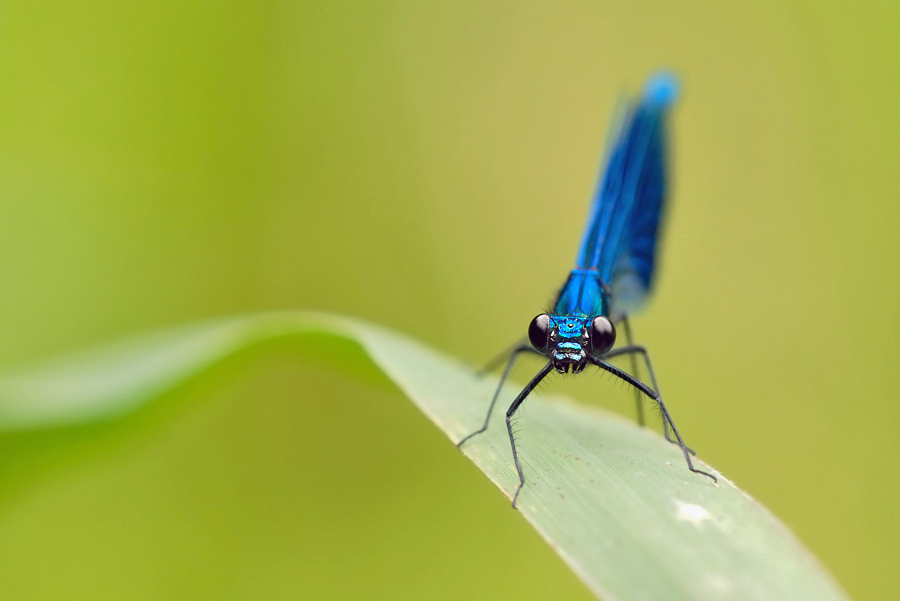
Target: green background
(429,167)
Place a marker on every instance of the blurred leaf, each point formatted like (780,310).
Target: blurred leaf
(614,500)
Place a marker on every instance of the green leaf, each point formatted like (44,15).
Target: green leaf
(614,500)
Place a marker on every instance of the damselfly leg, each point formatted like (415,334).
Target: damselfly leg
(638,399)
(654,396)
(634,350)
(510,355)
(512,411)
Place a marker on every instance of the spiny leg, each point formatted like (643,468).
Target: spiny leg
(511,411)
(513,353)
(662,409)
(623,318)
(637,349)
(638,400)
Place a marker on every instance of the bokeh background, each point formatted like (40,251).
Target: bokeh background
(429,167)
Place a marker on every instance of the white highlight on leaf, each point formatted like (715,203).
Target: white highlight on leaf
(720,584)
(693,513)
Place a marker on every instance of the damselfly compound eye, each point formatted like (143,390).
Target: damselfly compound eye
(603,336)
(539,332)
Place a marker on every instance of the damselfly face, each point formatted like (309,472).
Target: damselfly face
(567,341)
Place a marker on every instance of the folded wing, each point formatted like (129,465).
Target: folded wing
(623,228)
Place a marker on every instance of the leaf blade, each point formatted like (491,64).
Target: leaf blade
(614,500)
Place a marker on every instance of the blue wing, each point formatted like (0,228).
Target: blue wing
(621,237)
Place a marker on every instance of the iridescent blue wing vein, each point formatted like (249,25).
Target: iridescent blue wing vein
(619,244)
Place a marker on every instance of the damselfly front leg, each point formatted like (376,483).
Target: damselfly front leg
(510,355)
(512,411)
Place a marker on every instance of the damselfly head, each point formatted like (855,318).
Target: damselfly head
(564,339)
